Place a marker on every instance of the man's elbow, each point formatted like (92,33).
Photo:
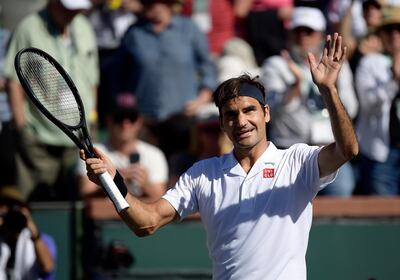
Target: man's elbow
(143,232)
(351,151)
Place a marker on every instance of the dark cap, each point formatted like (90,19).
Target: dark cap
(124,105)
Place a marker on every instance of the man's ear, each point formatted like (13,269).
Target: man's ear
(267,115)
(221,123)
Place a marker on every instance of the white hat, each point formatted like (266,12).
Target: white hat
(76,4)
(308,17)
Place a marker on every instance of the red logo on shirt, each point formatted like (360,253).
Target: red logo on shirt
(268,172)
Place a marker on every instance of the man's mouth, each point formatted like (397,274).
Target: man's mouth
(244,133)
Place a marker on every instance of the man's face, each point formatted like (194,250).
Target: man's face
(243,119)
(124,127)
(372,15)
(307,40)
(157,12)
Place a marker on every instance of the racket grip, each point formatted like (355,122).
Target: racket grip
(113,192)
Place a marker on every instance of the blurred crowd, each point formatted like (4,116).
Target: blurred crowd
(146,70)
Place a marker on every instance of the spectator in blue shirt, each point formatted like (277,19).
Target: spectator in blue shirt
(171,68)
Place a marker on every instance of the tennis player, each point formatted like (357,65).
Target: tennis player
(255,202)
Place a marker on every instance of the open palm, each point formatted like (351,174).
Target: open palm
(325,73)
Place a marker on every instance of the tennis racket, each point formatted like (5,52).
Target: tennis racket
(53,92)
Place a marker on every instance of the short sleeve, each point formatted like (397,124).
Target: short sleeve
(306,159)
(183,195)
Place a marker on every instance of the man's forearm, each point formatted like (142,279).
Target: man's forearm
(145,218)
(342,127)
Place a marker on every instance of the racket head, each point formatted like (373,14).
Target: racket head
(53,92)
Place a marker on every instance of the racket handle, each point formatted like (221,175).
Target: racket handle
(113,192)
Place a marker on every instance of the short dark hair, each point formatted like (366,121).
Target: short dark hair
(230,89)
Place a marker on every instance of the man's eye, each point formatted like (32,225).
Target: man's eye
(230,115)
(250,110)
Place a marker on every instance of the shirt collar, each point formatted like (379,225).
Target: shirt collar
(230,163)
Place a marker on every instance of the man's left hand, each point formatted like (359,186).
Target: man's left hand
(325,73)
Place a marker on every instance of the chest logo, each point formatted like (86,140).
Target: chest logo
(268,172)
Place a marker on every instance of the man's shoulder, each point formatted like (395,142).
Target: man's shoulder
(29,23)
(299,149)
(212,164)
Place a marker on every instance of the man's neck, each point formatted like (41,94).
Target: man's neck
(248,157)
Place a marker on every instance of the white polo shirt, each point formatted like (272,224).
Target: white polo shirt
(257,223)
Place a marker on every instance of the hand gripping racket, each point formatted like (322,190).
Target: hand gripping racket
(54,94)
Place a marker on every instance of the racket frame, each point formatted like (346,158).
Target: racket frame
(86,143)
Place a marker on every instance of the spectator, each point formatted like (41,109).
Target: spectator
(220,20)
(299,112)
(171,68)
(110,20)
(266,27)
(142,165)
(369,41)
(350,11)
(46,157)
(25,252)
(377,81)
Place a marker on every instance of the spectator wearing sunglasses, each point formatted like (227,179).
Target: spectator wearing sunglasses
(377,82)
(142,165)
(300,115)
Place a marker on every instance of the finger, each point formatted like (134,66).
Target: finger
(96,166)
(82,154)
(90,161)
(325,53)
(328,44)
(332,50)
(311,60)
(99,170)
(344,54)
(99,153)
(338,49)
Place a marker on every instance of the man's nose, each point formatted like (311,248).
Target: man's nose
(241,119)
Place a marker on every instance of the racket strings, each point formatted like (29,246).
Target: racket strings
(50,88)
